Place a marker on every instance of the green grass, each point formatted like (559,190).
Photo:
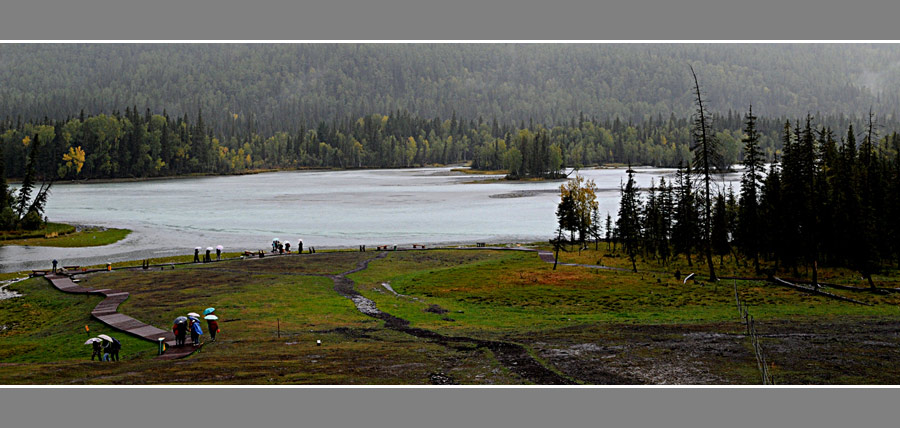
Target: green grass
(255,308)
(63,235)
(273,310)
(49,228)
(511,292)
(46,325)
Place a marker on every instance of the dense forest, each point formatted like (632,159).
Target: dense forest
(143,144)
(283,87)
(829,200)
(528,109)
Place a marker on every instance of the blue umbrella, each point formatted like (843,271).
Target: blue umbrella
(208,311)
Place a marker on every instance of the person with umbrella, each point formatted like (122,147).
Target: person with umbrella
(111,347)
(208,258)
(95,348)
(213,324)
(179,327)
(196,331)
(219,252)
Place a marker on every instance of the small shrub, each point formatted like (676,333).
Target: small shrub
(32,221)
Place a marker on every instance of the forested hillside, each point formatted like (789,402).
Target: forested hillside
(529,109)
(283,87)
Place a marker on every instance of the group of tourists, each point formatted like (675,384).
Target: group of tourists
(285,247)
(208,257)
(105,348)
(191,324)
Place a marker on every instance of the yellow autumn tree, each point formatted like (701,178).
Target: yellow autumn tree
(584,195)
(74,160)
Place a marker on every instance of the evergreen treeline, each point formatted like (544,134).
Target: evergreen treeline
(830,200)
(143,144)
(283,87)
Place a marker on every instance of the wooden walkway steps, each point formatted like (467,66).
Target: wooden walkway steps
(107,312)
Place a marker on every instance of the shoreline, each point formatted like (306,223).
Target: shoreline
(18,180)
(187,254)
(460,169)
(76,238)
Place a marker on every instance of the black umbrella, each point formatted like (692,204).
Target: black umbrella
(181,320)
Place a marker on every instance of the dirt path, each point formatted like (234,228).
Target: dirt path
(513,356)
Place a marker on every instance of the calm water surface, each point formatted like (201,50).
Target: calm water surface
(325,209)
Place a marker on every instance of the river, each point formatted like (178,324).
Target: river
(324,208)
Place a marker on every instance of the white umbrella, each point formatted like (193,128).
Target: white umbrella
(208,248)
(219,247)
(92,340)
(197,248)
(275,239)
(211,317)
(193,314)
(105,337)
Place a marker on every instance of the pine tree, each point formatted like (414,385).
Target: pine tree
(685,230)
(628,224)
(566,216)
(650,222)
(749,217)
(772,222)
(7,216)
(666,208)
(720,243)
(609,230)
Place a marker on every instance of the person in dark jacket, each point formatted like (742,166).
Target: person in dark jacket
(197,255)
(208,258)
(196,331)
(218,254)
(96,351)
(180,330)
(111,350)
(213,326)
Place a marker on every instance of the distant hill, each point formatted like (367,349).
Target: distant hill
(284,86)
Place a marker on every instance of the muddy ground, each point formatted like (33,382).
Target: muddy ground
(804,352)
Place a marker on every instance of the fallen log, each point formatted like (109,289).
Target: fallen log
(878,290)
(780,281)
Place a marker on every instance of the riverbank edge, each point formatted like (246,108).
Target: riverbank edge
(14,180)
(40,239)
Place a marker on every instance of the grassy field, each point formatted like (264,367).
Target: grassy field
(64,235)
(47,326)
(592,326)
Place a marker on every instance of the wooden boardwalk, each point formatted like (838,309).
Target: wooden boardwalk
(107,312)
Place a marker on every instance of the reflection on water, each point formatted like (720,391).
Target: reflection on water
(325,209)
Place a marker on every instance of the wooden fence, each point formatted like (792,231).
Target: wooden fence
(750,325)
